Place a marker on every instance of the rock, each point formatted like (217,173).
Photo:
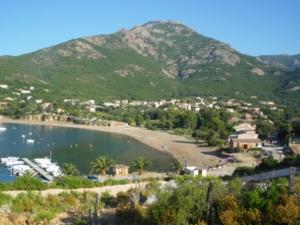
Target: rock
(257,71)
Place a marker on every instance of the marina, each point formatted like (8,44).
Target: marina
(39,166)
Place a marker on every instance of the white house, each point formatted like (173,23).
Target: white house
(4,86)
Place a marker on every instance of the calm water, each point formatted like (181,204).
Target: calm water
(76,146)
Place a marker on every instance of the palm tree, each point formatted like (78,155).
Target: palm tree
(177,166)
(101,165)
(140,164)
(70,169)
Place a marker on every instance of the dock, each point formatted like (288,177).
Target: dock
(38,169)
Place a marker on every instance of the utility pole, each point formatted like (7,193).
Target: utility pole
(209,200)
(132,206)
(292,180)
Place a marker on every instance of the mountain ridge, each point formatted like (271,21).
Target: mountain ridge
(282,61)
(158,59)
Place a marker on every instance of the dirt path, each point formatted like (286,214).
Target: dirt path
(114,189)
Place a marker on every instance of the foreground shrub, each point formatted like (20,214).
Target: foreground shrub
(4,199)
(72,182)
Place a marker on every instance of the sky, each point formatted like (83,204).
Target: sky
(253,27)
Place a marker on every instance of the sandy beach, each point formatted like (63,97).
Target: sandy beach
(181,148)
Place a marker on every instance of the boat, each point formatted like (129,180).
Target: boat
(23,135)
(48,166)
(30,141)
(4,160)
(2,128)
(20,170)
(11,161)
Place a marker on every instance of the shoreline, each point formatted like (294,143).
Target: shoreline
(179,147)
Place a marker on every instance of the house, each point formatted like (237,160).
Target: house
(4,86)
(119,170)
(46,107)
(192,170)
(185,106)
(245,137)
(245,144)
(24,91)
(230,110)
(248,116)
(138,103)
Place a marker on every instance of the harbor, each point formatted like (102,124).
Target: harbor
(39,166)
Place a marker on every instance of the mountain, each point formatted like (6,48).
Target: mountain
(159,59)
(287,62)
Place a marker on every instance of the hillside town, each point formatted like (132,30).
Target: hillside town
(244,116)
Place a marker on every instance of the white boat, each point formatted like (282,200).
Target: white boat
(48,166)
(30,141)
(2,128)
(9,158)
(14,163)
(11,161)
(23,135)
(20,170)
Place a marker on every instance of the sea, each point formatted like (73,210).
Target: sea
(73,145)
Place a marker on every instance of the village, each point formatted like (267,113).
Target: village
(245,147)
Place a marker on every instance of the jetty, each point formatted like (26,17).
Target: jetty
(38,169)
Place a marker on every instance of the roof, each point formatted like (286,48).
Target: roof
(244,126)
(238,140)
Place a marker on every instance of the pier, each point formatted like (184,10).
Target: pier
(38,169)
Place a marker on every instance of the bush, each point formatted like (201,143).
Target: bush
(28,183)
(123,199)
(28,202)
(243,171)
(128,216)
(107,198)
(4,199)
(267,164)
(44,216)
(73,182)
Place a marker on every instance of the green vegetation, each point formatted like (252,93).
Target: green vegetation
(177,166)
(30,183)
(194,200)
(101,165)
(211,201)
(268,164)
(213,127)
(69,169)
(140,164)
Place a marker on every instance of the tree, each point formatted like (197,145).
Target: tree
(177,166)
(209,135)
(70,169)
(140,164)
(101,165)
(267,164)
(187,119)
(139,119)
(287,212)
(264,128)
(296,126)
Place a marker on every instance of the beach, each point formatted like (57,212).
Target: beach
(182,148)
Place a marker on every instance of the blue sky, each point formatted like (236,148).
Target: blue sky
(253,27)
